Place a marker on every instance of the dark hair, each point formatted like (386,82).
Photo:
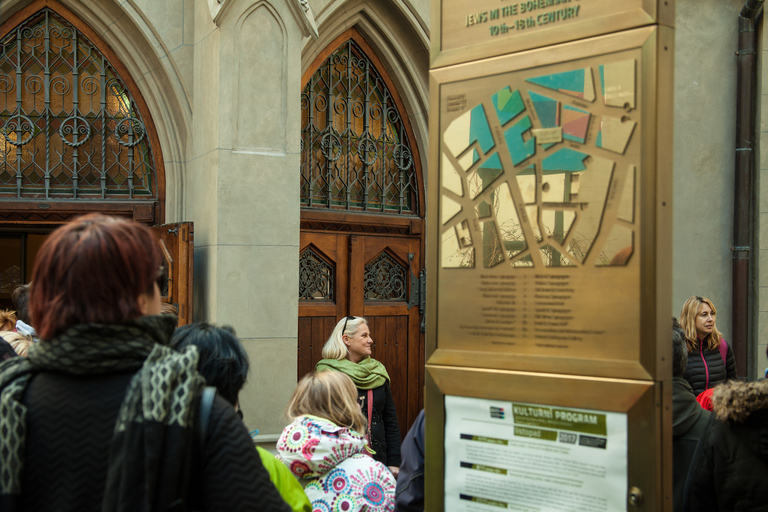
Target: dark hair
(20,298)
(679,350)
(223,361)
(92,270)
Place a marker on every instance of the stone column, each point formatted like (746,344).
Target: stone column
(242,190)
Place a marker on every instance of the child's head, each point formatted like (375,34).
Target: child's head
(330,395)
(19,342)
(7,320)
(223,360)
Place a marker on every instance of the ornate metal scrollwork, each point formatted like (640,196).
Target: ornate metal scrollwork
(83,134)
(385,280)
(403,158)
(78,128)
(20,125)
(315,277)
(331,146)
(367,150)
(131,127)
(351,128)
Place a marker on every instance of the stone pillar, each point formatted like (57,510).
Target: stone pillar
(242,190)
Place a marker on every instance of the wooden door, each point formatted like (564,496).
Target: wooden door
(177,242)
(323,293)
(364,275)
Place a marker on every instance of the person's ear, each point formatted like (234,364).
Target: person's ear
(143,302)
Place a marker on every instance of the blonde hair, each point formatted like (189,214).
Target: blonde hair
(167,308)
(7,320)
(19,342)
(691,308)
(329,395)
(335,348)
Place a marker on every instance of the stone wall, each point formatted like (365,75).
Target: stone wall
(704,153)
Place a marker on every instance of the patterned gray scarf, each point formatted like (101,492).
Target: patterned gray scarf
(164,391)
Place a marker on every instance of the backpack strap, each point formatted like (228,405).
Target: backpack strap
(724,351)
(206,404)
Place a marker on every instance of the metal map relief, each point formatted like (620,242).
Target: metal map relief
(539,178)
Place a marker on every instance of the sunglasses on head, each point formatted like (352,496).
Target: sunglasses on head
(343,330)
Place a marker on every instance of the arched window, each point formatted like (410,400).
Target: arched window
(69,126)
(355,152)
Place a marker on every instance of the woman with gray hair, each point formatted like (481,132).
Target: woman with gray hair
(348,350)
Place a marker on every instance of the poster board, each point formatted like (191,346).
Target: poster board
(465,31)
(549,207)
(533,457)
(626,417)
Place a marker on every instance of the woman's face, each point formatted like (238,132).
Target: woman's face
(359,344)
(705,320)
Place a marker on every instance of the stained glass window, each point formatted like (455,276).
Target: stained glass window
(69,127)
(355,152)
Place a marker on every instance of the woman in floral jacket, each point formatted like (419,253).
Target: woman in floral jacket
(325,446)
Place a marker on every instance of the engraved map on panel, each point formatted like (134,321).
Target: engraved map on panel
(537,173)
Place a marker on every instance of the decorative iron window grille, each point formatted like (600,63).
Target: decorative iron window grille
(315,277)
(384,280)
(355,153)
(69,127)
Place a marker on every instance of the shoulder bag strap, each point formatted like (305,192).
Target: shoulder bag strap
(724,352)
(370,412)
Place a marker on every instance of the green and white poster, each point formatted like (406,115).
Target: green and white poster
(532,457)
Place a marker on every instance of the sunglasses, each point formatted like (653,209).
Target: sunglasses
(344,329)
(162,280)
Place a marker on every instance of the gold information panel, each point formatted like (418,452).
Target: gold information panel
(546,442)
(486,28)
(542,162)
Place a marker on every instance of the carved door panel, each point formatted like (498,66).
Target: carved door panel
(178,247)
(363,275)
(380,287)
(323,296)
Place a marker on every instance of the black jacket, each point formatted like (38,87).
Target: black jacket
(706,368)
(6,350)
(729,471)
(409,496)
(385,431)
(688,422)
(70,423)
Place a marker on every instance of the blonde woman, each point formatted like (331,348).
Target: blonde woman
(348,350)
(326,447)
(710,358)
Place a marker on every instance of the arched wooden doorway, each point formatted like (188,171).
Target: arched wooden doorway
(75,137)
(362,217)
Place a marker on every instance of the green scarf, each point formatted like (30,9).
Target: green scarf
(163,393)
(367,374)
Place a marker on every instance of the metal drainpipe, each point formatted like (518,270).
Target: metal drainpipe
(744,180)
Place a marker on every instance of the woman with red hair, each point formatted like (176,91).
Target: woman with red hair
(102,415)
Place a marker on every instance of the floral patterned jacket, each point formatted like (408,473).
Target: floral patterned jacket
(340,475)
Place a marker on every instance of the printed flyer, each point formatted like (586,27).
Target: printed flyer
(533,458)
